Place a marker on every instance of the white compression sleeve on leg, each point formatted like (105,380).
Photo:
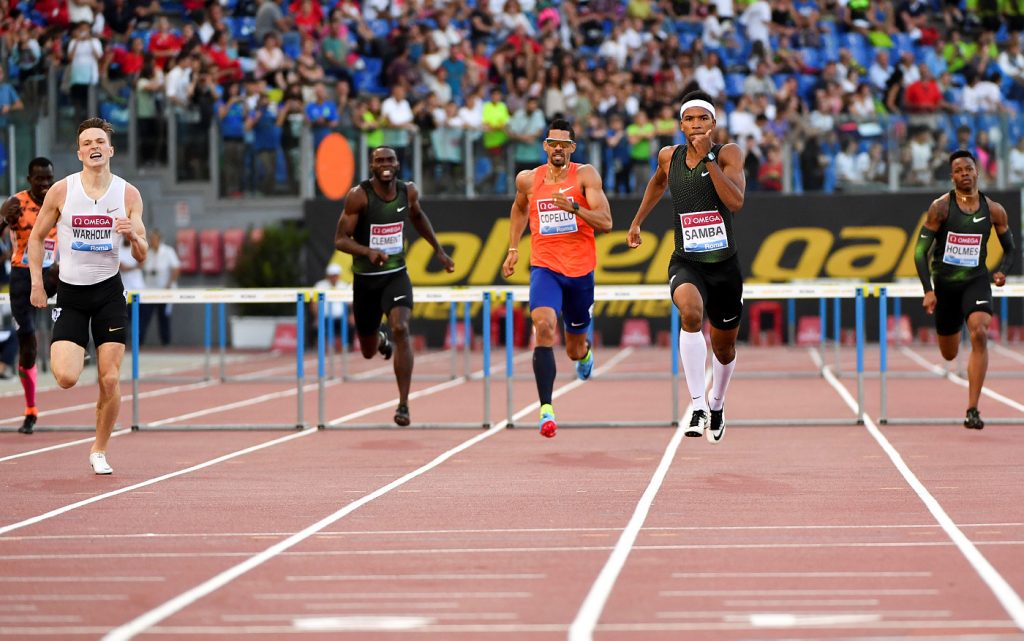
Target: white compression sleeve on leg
(693,354)
(720,375)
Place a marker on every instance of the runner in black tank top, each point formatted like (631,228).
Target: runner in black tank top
(708,186)
(372,229)
(961,222)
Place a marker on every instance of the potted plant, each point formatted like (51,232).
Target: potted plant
(270,257)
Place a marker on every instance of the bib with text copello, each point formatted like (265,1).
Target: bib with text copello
(555,220)
(703,231)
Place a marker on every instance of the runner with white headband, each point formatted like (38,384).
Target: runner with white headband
(708,186)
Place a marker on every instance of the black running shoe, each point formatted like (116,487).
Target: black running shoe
(698,423)
(402,415)
(973,420)
(29,425)
(716,429)
(384,347)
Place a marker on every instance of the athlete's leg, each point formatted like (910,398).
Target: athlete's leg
(723,362)
(693,350)
(108,356)
(545,321)
(977,363)
(66,361)
(949,345)
(367,312)
(398,322)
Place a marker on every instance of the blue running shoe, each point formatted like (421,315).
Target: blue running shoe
(548,426)
(585,366)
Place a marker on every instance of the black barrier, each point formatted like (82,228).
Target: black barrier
(867,237)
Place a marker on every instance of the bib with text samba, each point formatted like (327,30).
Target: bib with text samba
(703,231)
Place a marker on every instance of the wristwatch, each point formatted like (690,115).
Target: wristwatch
(575,206)
(710,157)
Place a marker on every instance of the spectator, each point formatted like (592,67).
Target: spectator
(84,54)
(617,144)
(769,175)
(148,89)
(981,96)
(322,115)
(336,46)
(231,111)
(880,70)
(271,63)
(307,16)
(526,129)
(119,16)
(291,120)
(371,123)
(851,167)
(714,30)
(759,82)
(1011,64)
(163,44)
(397,121)
(878,168)
(131,274)
(812,164)
(862,103)
(709,76)
(9,100)
(161,271)
(756,18)
(985,152)
(446,143)
(261,122)
(641,149)
(331,282)
(346,109)
(311,73)
(269,19)
(495,118)
(1015,166)
(924,97)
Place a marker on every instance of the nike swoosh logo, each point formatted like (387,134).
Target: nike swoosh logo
(564,189)
(401,209)
(981,302)
(924,235)
(400,297)
(577,324)
(705,174)
(729,320)
(110,211)
(672,280)
(978,219)
(114,329)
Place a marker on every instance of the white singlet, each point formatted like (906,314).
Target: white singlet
(90,250)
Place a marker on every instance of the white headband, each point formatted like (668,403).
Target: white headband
(703,104)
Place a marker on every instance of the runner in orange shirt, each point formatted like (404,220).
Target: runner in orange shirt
(565,204)
(19,213)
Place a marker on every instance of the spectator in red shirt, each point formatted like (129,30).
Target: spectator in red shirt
(308,17)
(164,44)
(128,61)
(227,69)
(924,96)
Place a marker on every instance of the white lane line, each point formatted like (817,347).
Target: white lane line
(582,627)
(869,592)
(1002,590)
(149,619)
(950,376)
(346,533)
(60,446)
(163,391)
(219,459)
(786,575)
(1005,351)
(80,579)
(355,596)
(420,577)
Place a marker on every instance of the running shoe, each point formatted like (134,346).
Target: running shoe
(716,428)
(384,347)
(973,420)
(698,423)
(402,415)
(548,426)
(29,424)
(585,366)
(98,461)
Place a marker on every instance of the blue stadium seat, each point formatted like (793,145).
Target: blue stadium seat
(812,58)
(367,79)
(380,28)
(115,114)
(734,84)
(291,44)
(1016,128)
(902,42)
(805,86)
(987,122)
(242,28)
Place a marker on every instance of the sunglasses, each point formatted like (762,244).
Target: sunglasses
(557,143)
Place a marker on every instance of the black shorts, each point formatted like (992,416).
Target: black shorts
(720,286)
(21,291)
(954,302)
(102,305)
(373,296)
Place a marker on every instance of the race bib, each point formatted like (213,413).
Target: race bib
(49,250)
(554,220)
(962,250)
(387,238)
(93,233)
(703,231)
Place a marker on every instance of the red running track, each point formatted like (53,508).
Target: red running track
(776,533)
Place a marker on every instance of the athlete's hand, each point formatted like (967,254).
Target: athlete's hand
(38,296)
(446,260)
(999,278)
(11,213)
(701,144)
(634,239)
(509,266)
(377,257)
(562,201)
(929,302)
(124,226)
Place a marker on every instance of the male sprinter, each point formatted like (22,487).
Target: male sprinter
(564,203)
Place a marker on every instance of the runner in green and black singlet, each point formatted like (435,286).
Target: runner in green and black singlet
(708,186)
(961,222)
(372,229)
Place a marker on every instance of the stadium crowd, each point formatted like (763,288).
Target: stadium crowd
(823,84)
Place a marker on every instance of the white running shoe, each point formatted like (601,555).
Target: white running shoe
(98,461)
(698,423)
